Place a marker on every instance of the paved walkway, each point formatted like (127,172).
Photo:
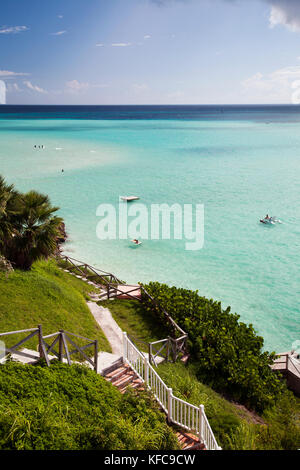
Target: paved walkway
(110,328)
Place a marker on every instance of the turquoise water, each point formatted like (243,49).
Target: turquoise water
(239,169)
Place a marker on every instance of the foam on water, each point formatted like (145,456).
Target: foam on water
(239,169)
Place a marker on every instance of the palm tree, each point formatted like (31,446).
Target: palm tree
(9,199)
(35,231)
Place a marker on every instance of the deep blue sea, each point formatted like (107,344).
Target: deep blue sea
(240,162)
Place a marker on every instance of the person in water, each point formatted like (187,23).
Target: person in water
(136,241)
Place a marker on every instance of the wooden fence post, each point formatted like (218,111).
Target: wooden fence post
(96,356)
(168,349)
(170,396)
(61,346)
(41,352)
(150,352)
(146,371)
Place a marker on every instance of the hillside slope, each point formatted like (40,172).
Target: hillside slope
(48,296)
(72,408)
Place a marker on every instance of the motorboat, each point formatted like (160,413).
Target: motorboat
(270,221)
(267,221)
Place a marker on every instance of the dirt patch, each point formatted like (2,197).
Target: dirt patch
(250,416)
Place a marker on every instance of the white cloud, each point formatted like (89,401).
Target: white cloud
(177,97)
(74,86)
(121,44)
(140,87)
(275,87)
(147,36)
(34,87)
(13,87)
(13,29)
(9,74)
(285,13)
(58,33)
(60,17)
(99,44)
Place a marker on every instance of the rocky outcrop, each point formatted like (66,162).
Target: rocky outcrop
(62,237)
(5,265)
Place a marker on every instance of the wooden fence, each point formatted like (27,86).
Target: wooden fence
(91,273)
(61,340)
(172,347)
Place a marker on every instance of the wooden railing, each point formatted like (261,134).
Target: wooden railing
(111,284)
(14,349)
(61,339)
(179,412)
(103,278)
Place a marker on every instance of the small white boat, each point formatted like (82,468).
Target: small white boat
(129,198)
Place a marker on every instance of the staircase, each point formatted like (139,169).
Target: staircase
(123,377)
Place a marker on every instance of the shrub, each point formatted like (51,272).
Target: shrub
(228,353)
(70,408)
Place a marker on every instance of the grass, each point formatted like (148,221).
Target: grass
(48,296)
(72,408)
(132,318)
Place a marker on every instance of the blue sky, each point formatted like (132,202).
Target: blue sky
(150,51)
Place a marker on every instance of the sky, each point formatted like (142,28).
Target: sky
(150,51)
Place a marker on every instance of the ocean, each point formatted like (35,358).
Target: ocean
(240,162)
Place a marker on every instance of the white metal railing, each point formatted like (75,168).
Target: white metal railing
(180,412)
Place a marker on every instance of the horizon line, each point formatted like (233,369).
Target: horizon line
(165,104)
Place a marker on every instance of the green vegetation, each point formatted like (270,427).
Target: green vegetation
(227,353)
(72,408)
(65,407)
(28,228)
(48,296)
(139,324)
(234,427)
